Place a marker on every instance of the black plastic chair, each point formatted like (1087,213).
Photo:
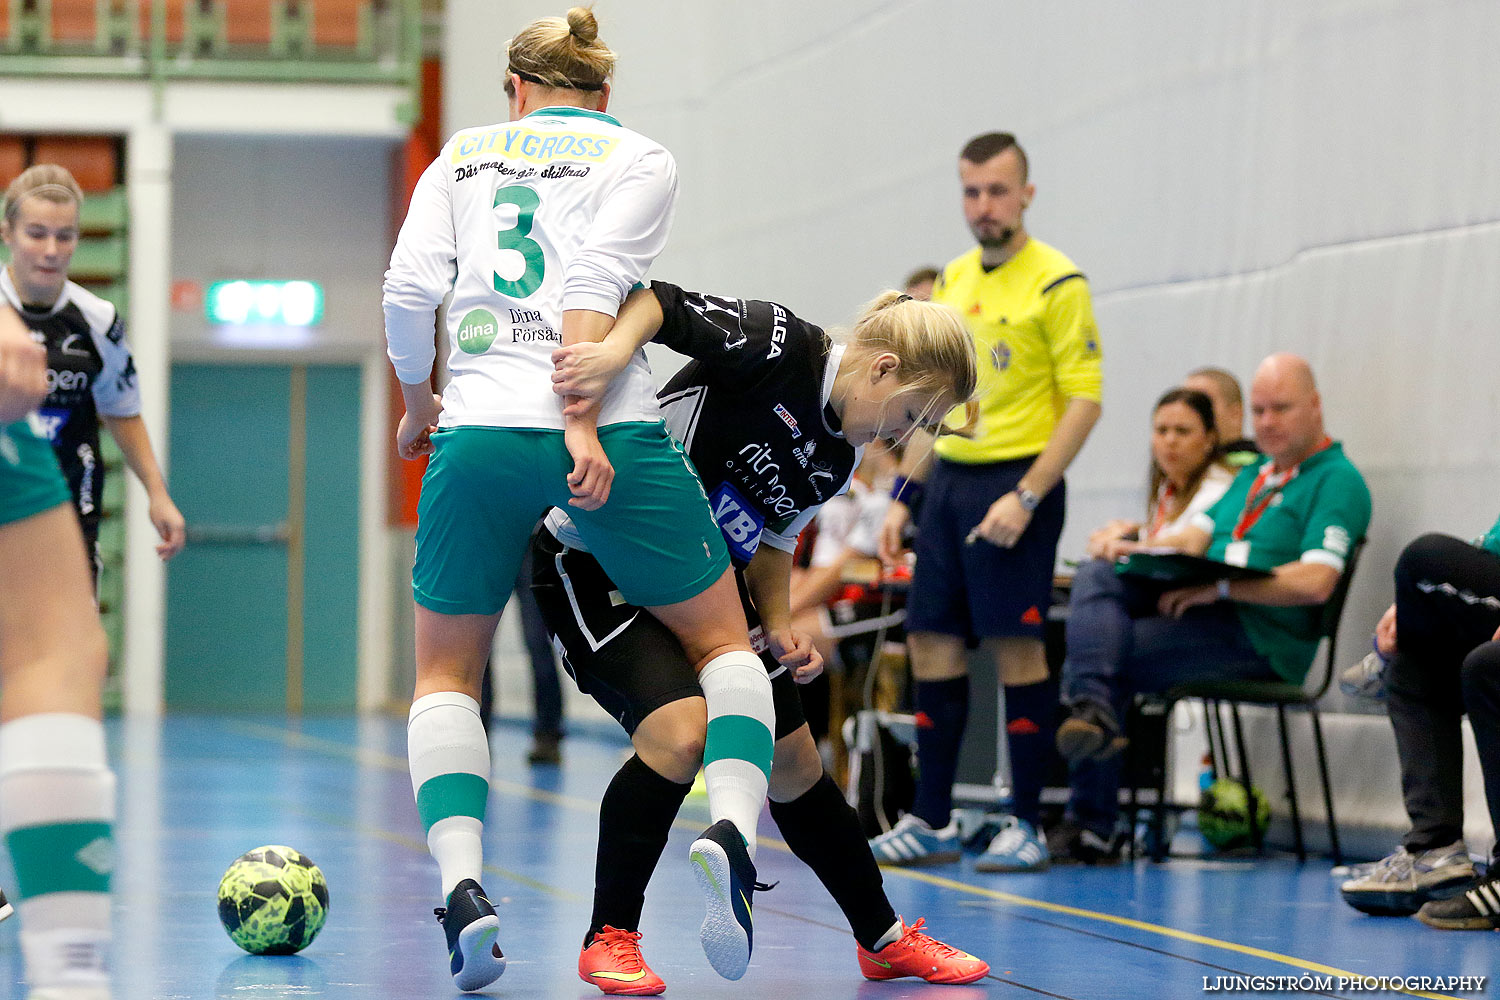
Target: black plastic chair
(1216,693)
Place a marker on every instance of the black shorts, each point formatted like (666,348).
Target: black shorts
(976,590)
(619,654)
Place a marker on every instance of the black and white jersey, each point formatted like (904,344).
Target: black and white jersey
(90,372)
(752,412)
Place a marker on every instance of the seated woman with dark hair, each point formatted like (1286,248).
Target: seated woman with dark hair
(1187,472)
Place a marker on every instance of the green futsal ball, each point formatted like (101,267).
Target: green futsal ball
(1223,817)
(273,901)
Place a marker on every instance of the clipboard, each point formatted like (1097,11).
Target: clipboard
(1183,570)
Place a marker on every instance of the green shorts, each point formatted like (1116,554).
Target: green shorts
(30,481)
(486,488)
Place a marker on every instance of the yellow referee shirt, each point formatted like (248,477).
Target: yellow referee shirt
(1033,326)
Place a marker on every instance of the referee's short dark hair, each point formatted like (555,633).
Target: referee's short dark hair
(983,148)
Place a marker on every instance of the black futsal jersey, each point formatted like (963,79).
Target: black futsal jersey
(751,410)
(90,373)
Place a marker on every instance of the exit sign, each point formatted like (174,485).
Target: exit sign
(285,303)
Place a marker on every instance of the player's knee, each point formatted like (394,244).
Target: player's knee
(671,739)
(796,767)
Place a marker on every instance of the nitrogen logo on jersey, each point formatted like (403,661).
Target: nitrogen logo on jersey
(738,521)
(477,331)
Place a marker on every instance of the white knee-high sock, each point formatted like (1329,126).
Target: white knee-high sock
(57,810)
(450,775)
(737,755)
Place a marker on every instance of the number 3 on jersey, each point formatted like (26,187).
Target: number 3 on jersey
(518,238)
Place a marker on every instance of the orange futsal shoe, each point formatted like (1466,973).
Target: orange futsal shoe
(916,954)
(614,964)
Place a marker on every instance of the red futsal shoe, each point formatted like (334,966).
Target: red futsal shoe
(916,954)
(614,964)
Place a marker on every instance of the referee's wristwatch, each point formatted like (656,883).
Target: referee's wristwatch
(1029,500)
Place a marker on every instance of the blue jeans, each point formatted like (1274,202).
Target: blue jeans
(1119,646)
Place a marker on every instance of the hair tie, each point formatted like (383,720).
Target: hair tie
(903,297)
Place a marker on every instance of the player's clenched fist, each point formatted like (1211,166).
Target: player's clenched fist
(23,369)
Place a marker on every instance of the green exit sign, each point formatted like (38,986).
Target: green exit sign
(285,303)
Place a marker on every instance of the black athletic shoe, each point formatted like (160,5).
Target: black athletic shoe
(1072,844)
(473,930)
(1475,909)
(5,908)
(726,875)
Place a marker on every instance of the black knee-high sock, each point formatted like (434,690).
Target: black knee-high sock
(822,830)
(635,817)
(1030,713)
(945,705)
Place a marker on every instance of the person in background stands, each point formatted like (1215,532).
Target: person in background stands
(1229,413)
(1439,640)
(987,532)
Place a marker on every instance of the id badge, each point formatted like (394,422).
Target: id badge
(1237,553)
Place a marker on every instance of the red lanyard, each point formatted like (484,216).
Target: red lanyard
(1265,489)
(1159,519)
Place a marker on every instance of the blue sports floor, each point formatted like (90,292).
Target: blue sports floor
(195,792)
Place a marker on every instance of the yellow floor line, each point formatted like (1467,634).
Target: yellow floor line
(393,763)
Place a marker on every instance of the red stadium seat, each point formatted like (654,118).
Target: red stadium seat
(93,159)
(74,21)
(247,22)
(176,27)
(336,22)
(12,157)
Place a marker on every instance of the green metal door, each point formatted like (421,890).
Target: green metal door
(262,605)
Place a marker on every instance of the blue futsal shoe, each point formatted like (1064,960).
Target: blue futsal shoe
(912,842)
(726,875)
(473,930)
(1016,848)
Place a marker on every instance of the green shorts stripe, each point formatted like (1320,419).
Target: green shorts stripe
(486,488)
(739,737)
(61,857)
(456,794)
(30,481)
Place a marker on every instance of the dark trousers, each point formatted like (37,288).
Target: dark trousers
(1447,609)
(1118,646)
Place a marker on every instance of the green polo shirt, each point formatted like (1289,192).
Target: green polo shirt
(1317,516)
(1491,540)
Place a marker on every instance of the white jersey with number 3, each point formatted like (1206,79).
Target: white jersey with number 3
(562,209)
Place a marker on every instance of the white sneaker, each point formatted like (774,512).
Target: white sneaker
(1401,882)
(1016,848)
(1366,679)
(912,842)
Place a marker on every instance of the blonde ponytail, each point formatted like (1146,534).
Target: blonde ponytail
(935,348)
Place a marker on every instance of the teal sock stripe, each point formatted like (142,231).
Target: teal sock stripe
(61,857)
(458,794)
(739,737)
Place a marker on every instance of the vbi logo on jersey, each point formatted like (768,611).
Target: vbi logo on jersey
(738,520)
(49,422)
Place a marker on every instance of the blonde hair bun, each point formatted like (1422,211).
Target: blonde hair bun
(583,25)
